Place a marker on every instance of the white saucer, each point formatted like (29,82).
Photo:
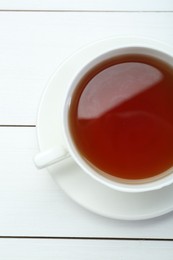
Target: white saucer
(78,185)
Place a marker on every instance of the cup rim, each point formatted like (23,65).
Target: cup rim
(158,183)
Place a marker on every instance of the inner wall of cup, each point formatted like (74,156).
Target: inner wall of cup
(83,163)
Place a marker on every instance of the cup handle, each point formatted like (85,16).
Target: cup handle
(50,156)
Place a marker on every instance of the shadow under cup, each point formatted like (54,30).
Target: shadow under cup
(119,118)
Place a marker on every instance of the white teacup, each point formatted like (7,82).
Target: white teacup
(57,154)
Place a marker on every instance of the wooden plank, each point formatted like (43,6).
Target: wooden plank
(89,5)
(32,45)
(36,249)
(33,205)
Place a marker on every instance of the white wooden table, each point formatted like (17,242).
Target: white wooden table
(38,220)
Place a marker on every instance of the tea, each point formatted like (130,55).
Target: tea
(121,117)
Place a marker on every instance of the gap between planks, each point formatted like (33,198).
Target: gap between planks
(17,125)
(87,238)
(87,11)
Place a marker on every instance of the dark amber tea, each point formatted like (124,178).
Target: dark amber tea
(121,117)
